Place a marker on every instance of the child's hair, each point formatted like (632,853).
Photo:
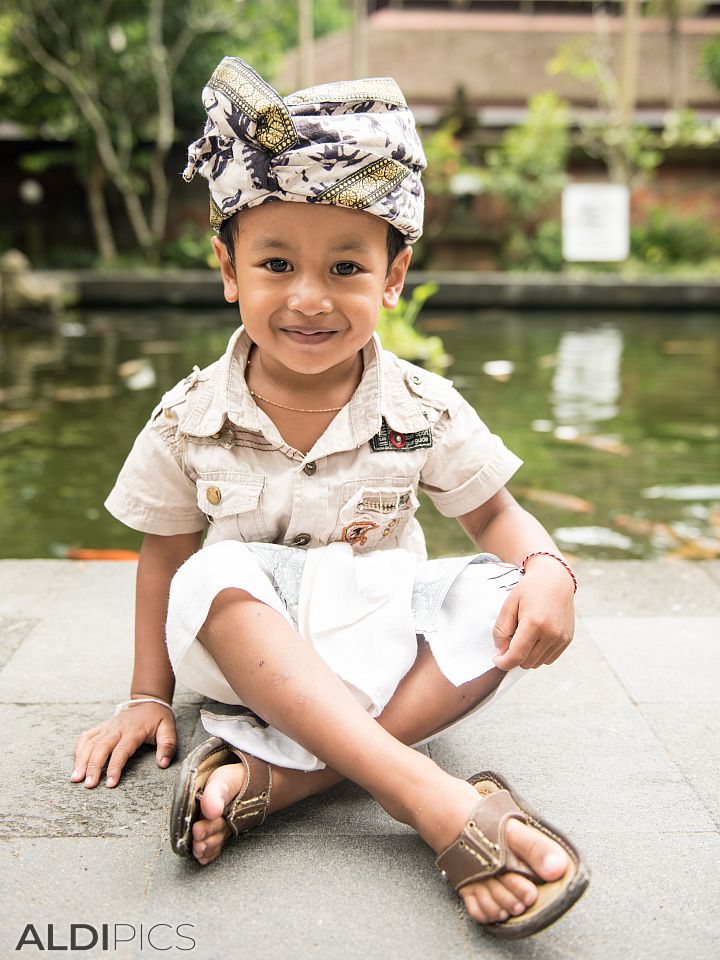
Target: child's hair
(228,232)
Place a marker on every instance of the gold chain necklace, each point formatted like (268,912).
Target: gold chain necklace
(273,403)
(284,406)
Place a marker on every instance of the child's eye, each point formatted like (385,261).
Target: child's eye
(276,260)
(342,268)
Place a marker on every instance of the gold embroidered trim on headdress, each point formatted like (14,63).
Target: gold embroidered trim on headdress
(275,129)
(216,215)
(365,186)
(384,89)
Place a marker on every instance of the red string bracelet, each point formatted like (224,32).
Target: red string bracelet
(546,553)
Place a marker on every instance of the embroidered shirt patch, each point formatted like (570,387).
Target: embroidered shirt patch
(356,532)
(388,439)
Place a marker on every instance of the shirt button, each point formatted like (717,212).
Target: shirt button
(301,540)
(310,468)
(213,495)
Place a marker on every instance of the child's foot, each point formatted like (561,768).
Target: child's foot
(288,786)
(497,898)
(210,834)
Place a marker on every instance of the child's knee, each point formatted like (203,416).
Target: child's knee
(222,603)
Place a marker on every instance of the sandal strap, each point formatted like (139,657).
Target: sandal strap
(480,851)
(249,808)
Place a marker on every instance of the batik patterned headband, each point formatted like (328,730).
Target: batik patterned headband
(351,143)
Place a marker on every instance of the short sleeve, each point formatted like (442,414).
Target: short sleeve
(468,464)
(152,493)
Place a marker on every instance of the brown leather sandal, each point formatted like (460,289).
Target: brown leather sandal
(246,810)
(480,852)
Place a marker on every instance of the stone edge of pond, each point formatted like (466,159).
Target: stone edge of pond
(461,289)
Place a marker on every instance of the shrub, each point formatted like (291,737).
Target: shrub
(667,238)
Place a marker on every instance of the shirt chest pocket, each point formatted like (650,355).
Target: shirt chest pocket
(233,503)
(375,511)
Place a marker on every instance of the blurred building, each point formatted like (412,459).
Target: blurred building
(497,51)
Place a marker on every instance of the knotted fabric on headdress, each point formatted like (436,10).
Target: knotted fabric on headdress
(351,143)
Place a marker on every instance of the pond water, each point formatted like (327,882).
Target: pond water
(617,418)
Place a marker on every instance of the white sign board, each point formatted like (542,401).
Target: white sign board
(595,222)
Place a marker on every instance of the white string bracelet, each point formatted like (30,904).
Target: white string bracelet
(126,703)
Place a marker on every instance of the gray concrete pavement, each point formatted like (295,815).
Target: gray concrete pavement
(617,743)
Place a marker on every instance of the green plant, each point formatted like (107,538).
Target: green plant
(539,251)
(191,248)
(710,61)
(397,332)
(528,169)
(527,172)
(667,238)
(443,152)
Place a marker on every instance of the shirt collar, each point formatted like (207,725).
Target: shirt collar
(381,393)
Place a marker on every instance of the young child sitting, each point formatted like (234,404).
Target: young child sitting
(312,608)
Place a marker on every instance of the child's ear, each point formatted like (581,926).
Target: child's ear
(396,278)
(227,270)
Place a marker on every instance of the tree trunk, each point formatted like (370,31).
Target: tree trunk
(104,239)
(165,125)
(628,84)
(677,91)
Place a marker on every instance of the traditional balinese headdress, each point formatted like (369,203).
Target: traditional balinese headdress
(351,143)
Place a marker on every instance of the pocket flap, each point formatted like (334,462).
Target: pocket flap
(225,494)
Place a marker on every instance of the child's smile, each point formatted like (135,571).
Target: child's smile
(309,335)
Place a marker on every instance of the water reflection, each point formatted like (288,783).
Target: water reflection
(586,383)
(637,466)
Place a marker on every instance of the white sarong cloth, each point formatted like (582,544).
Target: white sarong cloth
(362,613)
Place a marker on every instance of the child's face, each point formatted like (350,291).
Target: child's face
(310,280)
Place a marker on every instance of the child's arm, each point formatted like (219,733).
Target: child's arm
(537,620)
(119,737)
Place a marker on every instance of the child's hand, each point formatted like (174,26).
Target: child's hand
(119,737)
(537,620)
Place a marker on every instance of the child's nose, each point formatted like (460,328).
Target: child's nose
(308,296)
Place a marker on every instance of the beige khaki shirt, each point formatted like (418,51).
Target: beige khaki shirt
(210,457)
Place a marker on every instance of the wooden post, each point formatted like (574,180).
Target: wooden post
(305,44)
(360,39)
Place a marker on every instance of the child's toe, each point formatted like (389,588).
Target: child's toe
(504,896)
(539,852)
(489,907)
(519,887)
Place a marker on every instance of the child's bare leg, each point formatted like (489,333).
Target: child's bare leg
(424,702)
(285,681)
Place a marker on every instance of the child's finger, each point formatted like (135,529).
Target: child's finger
(81,755)
(124,749)
(506,624)
(520,649)
(552,655)
(166,742)
(536,658)
(82,741)
(100,752)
